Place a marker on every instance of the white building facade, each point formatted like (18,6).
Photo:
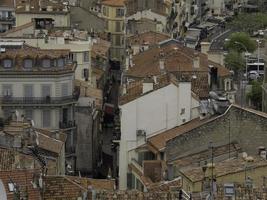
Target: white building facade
(151,114)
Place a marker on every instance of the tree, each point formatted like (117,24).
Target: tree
(255,95)
(234,61)
(241,42)
(249,22)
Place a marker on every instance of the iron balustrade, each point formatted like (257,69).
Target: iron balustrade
(37,100)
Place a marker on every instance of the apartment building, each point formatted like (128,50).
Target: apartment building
(113,11)
(149,107)
(7,19)
(39,85)
(45,14)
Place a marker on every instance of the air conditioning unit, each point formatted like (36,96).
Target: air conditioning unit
(140,133)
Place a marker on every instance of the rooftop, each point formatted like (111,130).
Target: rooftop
(226,167)
(100,48)
(39,61)
(195,159)
(147,38)
(7,3)
(134,89)
(114,3)
(23,179)
(159,141)
(40,6)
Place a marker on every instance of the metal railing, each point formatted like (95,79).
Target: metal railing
(10,18)
(37,100)
(66,125)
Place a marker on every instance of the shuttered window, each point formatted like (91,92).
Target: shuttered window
(65,89)
(86,56)
(46,118)
(46,90)
(7,90)
(28,90)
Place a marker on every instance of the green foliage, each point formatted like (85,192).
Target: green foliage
(241,41)
(249,22)
(256,94)
(234,61)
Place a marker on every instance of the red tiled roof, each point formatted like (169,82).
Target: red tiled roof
(159,141)
(23,179)
(148,38)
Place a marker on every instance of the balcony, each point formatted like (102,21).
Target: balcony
(9,19)
(30,101)
(67,125)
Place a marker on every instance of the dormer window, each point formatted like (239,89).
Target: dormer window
(46,63)
(60,62)
(28,63)
(7,63)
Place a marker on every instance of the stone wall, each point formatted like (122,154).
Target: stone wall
(135,195)
(245,127)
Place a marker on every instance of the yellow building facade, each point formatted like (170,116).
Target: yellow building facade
(113,11)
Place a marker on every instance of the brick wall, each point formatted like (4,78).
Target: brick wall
(247,128)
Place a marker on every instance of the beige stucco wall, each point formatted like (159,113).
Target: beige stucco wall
(60,20)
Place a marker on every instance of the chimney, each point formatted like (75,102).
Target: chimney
(196,61)
(27,7)
(147,86)
(49,8)
(161,65)
(124,89)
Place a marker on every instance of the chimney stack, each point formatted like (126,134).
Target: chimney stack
(196,61)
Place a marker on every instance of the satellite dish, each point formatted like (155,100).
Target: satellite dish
(3,195)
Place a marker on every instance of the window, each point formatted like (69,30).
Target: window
(73,56)
(28,90)
(118,27)
(104,11)
(85,73)
(117,40)
(7,63)
(119,12)
(28,114)
(46,118)
(28,63)
(60,62)
(46,90)
(86,56)
(64,89)
(7,90)
(46,63)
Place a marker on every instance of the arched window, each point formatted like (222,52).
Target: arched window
(27,64)
(46,63)
(7,63)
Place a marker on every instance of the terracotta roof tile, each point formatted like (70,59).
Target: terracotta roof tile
(135,89)
(159,141)
(222,71)
(177,60)
(23,179)
(100,48)
(149,38)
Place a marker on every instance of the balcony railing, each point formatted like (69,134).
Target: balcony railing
(7,19)
(37,100)
(67,125)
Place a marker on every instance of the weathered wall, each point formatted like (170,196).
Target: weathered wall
(135,195)
(247,128)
